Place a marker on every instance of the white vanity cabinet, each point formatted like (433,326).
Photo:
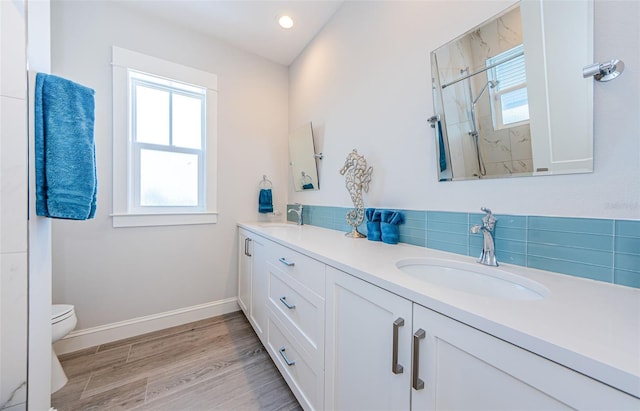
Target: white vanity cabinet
(343,341)
(385,352)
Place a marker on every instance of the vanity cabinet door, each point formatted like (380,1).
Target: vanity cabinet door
(252,280)
(463,368)
(259,287)
(359,354)
(245,262)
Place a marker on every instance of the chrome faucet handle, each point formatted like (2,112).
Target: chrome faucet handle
(298,212)
(488,221)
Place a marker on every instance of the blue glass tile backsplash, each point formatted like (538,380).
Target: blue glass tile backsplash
(599,249)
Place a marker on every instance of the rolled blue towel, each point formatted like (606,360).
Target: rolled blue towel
(373,224)
(265,201)
(372,214)
(368,212)
(390,233)
(373,231)
(386,215)
(397,218)
(390,226)
(65,158)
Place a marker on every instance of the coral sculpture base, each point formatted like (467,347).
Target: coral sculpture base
(355,234)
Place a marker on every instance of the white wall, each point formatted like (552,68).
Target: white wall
(13,210)
(112,274)
(40,252)
(364,82)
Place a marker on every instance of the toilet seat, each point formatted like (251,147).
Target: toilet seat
(60,312)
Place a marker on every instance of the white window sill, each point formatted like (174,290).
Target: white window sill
(149,220)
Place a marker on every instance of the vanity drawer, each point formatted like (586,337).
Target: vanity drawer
(299,309)
(304,269)
(305,378)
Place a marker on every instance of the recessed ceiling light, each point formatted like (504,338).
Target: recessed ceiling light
(285,22)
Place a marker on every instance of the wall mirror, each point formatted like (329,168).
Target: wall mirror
(302,158)
(509,95)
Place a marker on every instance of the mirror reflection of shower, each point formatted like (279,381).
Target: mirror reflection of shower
(474,132)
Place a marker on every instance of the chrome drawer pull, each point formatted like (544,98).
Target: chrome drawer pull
(395,367)
(284,357)
(246,247)
(286,262)
(417,383)
(284,301)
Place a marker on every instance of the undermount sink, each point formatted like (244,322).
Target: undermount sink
(281,228)
(473,278)
(277,225)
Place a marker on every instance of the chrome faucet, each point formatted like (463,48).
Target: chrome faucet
(488,255)
(297,211)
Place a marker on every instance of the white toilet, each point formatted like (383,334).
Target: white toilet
(63,321)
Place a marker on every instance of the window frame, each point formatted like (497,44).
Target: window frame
(126,213)
(137,146)
(496,95)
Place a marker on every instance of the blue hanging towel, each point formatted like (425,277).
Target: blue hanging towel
(265,201)
(65,158)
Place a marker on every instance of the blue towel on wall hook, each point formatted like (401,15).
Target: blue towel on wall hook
(265,201)
(65,158)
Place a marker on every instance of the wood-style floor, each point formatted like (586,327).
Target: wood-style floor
(213,364)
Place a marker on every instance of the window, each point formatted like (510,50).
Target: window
(164,140)
(509,102)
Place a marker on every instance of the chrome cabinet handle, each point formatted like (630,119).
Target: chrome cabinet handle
(395,367)
(286,262)
(417,383)
(246,247)
(284,301)
(284,357)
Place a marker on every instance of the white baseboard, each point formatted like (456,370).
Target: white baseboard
(90,337)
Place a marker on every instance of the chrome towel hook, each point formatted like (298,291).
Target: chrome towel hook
(604,71)
(265,183)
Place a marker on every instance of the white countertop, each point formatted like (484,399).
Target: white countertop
(589,326)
